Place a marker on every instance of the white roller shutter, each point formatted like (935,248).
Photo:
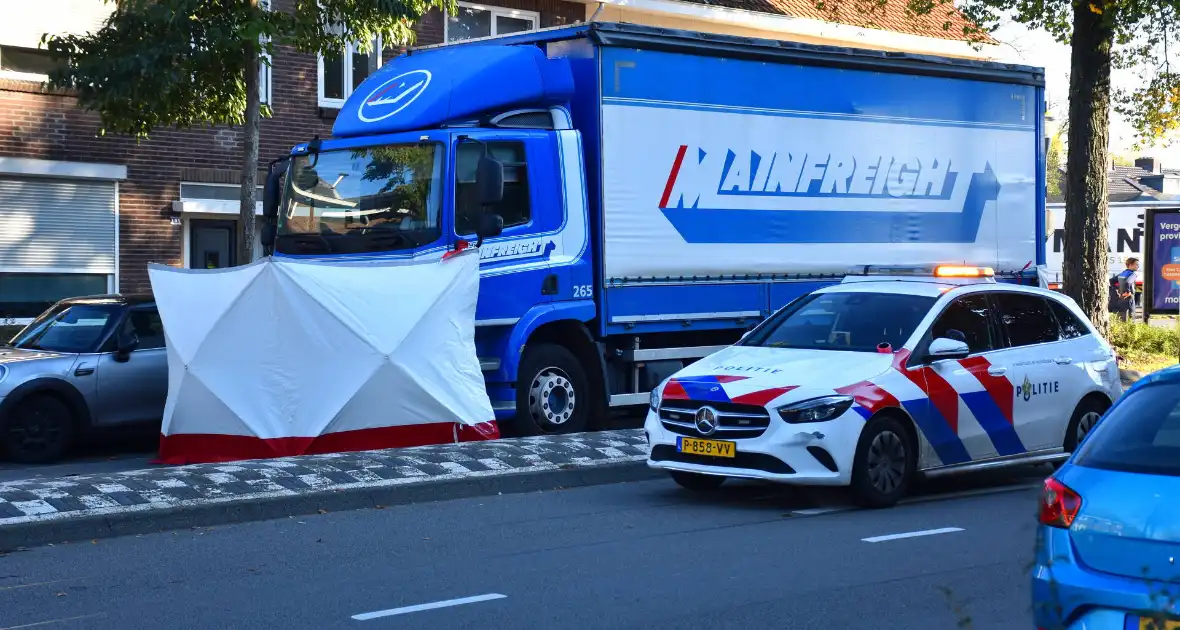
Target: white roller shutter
(57,224)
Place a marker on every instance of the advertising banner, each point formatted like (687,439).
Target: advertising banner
(1164,236)
(777,180)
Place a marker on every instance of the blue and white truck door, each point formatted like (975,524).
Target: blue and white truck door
(515,270)
(571,259)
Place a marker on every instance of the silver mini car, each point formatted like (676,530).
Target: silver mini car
(85,363)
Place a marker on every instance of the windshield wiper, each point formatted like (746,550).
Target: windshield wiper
(380,235)
(309,243)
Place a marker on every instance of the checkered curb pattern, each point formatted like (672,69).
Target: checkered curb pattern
(165,487)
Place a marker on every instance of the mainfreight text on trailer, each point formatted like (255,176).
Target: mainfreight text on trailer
(644,195)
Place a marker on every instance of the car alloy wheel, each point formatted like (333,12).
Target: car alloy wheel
(40,430)
(1086,424)
(886,462)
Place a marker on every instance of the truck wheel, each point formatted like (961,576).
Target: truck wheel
(552,393)
(40,430)
(696,481)
(884,463)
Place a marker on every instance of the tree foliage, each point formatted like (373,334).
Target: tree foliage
(1104,35)
(180,63)
(1054,177)
(190,63)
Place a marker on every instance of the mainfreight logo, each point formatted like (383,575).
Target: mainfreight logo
(393,95)
(784,197)
(512,250)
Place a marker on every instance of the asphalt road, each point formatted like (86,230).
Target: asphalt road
(637,555)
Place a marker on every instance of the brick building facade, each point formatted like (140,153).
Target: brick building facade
(82,214)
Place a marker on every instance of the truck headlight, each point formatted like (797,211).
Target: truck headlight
(657,395)
(815,410)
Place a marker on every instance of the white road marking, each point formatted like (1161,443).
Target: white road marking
(925,532)
(17,586)
(53,621)
(821,510)
(431,606)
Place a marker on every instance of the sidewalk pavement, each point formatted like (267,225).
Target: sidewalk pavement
(40,511)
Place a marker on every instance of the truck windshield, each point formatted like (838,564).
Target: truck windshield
(362,200)
(852,321)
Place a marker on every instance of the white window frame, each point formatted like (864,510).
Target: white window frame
(265,70)
(349,49)
(25,76)
(519,14)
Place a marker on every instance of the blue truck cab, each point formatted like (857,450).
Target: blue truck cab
(641,197)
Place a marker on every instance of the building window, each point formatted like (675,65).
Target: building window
(514,208)
(475,20)
(32,64)
(221,192)
(26,295)
(340,74)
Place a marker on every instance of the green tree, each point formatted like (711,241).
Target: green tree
(1103,35)
(1054,177)
(190,63)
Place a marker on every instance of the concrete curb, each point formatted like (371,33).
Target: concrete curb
(68,528)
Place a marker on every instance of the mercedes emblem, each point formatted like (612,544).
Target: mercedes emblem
(706,420)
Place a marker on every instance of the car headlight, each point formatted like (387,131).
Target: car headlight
(3,372)
(657,395)
(816,409)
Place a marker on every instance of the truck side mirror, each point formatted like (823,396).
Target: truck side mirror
(489,181)
(272,192)
(490,225)
(268,234)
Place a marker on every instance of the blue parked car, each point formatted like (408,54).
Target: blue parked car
(1108,543)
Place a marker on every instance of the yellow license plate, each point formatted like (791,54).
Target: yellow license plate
(1154,624)
(708,448)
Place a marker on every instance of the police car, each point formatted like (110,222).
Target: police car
(893,372)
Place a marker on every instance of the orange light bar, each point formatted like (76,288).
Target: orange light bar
(955,271)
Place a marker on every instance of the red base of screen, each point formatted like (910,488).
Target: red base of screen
(202,448)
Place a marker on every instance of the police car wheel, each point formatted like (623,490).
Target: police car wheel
(696,482)
(552,393)
(1087,414)
(884,463)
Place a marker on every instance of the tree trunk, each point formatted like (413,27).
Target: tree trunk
(246,215)
(1086,213)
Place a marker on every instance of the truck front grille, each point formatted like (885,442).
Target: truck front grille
(734,422)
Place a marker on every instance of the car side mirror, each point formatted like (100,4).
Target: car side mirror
(489,181)
(943,348)
(125,344)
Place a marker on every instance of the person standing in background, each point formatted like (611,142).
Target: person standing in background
(1123,301)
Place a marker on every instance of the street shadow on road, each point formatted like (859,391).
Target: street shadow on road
(114,450)
(749,495)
